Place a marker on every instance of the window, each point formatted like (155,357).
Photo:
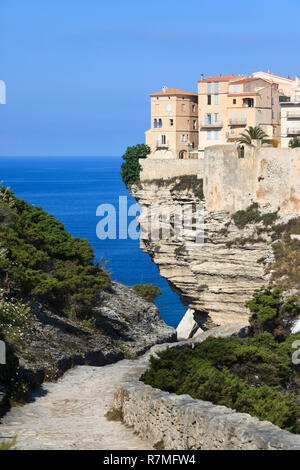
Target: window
(273,115)
(169,107)
(183,138)
(155,123)
(159,123)
(208,99)
(164,139)
(243,117)
(208,135)
(183,107)
(234,101)
(248,87)
(272,100)
(234,117)
(216,117)
(208,119)
(216,99)
(235,88)
(216,87)
(171,122)
(194,108)
(208,87)
(194,124)
(216,135)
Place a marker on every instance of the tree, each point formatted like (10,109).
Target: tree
(130,169)
(272,312)
(253,133)
(295,142)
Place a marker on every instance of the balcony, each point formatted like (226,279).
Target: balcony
(211,125)
(238,122)
(293,114)
(160,145)
(293,131)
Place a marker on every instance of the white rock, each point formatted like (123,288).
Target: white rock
(188,326)
(296,327)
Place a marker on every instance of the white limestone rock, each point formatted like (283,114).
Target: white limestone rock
(188,326)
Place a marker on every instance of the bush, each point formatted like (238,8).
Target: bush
(295,142)
(271,313)
(252,375)
(130,169)
(147,291)
(41,258)
(252,215)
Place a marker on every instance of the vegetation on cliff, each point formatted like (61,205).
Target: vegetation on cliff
(130,169)
(255,375)
(147,291)
(38,257)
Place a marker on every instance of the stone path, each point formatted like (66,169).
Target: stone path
(69,414)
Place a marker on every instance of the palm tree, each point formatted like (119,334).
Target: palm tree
(253,133)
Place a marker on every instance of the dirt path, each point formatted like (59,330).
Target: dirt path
(69,414)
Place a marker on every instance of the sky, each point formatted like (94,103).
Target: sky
(78,73)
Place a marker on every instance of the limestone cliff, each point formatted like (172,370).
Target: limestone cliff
(216,277)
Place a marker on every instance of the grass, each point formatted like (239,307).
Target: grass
(9,445)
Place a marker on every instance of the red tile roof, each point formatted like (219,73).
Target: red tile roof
(221,78)
(173,92)
(245,80)
(274,75)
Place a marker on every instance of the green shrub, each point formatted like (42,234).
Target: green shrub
(252,215)
(147,291)
(115,414)
(130,169)
(252,375)
(271,313)
(295,142)
(41,258)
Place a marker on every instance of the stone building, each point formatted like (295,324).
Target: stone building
(174,124)
(290,116)
(229,104)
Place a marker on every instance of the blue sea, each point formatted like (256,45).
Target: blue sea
(71,188)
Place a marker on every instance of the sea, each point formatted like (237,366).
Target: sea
(71,188)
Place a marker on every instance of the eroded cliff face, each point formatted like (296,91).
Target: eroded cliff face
(214,278)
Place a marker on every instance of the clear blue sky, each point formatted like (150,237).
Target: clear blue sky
(78,73)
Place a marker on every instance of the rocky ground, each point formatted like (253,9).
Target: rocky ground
(70,413)
(51,343)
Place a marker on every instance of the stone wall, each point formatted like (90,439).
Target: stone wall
(266,175)
(179,422)
(154,168)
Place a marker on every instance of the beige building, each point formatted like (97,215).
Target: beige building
(285,84)
(174,124)
(229,104)
(290,115)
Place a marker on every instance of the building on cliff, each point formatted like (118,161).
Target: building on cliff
(290,116)
(174,124)
(227,105)
(184,123)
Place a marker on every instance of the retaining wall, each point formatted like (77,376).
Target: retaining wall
(153,168)
(182,423)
